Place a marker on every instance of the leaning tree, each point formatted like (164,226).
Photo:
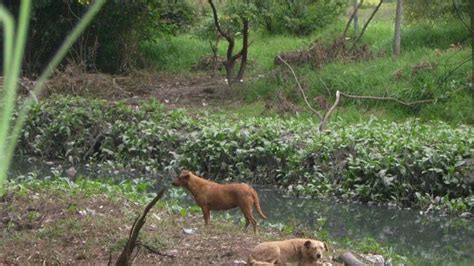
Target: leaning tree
(241,13)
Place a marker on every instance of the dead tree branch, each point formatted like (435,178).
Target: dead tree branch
(351,18)
(387,99)
(301,88)
(125,256)
(366,24)
(325,118)
(323,122)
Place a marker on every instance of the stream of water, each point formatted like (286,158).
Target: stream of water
(427,237)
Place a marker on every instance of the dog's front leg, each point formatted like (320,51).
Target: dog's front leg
(206,214)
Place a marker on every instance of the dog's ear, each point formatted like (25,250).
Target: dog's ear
(326,246)
(184,174)
(307,244)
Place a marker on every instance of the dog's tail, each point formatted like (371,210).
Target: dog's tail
(256,203)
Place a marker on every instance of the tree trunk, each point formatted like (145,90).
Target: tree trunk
(398,21)
(245,46)
(472,44)
(231,58)
(356,17)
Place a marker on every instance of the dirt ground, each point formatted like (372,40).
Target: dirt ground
(53,227)
(196,89)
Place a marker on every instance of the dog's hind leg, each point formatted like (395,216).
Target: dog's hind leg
(206,214)
(249,218)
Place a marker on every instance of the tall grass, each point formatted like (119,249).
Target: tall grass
(14,43)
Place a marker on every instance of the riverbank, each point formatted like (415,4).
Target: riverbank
(61,221)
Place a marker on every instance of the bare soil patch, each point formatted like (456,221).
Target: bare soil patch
(196,89)
(54,227)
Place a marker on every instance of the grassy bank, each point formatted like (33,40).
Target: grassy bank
(410,163)
(60,221)
(427,69)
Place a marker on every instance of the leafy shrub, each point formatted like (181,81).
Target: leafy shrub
(298,17)
(432,9)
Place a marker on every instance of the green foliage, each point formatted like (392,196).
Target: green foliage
(111,43)
(433,9)
(12,56)
(137,190)
(298,17)
(375,161)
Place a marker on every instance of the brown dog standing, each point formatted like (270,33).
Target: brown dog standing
(213,196)
(298,250)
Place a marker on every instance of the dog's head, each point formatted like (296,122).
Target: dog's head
(314,249)
(183,179)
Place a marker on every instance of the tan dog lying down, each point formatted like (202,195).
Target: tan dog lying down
(213,196)
(298,250)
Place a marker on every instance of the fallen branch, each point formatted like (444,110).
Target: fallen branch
(325,118)
(387,99)
(301,89)
(124,258)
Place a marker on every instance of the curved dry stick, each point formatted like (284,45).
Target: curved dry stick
(301,89)
(323,122)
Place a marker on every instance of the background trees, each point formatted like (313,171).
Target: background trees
(111,43)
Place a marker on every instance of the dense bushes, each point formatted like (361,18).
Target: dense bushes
(374,161)
(110,43)
(298,17)
(433,9)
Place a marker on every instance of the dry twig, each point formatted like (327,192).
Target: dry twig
(301,89)
(125,256)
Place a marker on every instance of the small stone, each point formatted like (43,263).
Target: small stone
(240,262)
(172,252)
(188,231)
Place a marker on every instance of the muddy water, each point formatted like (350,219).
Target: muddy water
(449,240)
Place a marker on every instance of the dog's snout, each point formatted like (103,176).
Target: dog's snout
(318,256)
